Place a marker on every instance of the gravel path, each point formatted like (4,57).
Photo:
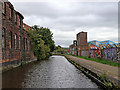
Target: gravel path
(99,68)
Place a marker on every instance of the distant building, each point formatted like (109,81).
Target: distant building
(71,47)
(80,45)
(94,49)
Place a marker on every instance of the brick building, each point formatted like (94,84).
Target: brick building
(82,38)
(95,49)
(80,46)
(15,42)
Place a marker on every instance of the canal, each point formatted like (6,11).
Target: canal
(56,72)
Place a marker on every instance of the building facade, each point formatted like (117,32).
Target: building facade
(80,46)
(15,42)
(95,49)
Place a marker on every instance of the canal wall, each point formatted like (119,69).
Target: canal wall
(12,66)
(98,75)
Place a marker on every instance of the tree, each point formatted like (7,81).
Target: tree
(47,36)
(58,49)
(41,45)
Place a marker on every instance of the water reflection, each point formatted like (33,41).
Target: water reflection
(56,72)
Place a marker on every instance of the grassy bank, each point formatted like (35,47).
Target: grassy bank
(112,63)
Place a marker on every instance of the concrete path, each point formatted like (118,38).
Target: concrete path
(98,68)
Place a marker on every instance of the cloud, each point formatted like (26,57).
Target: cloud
(66,19)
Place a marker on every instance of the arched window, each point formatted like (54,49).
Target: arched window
(3,38)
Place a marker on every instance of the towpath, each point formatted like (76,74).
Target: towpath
(111,72)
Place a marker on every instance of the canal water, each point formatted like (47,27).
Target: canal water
(56,72)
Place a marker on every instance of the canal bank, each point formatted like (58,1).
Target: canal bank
(12,66)
(105,75)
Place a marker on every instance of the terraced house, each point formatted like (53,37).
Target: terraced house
(15,42)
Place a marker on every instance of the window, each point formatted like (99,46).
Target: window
(19,42)
(19,22)
(10,39)
(10,11)
(15,41)
(3,7)
(15,17)
(23,26)
(24,43)
(3,38)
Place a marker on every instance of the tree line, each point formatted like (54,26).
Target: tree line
(41,41)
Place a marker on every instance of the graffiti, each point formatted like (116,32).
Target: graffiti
(118,54)
(95,53)
(85,53)
(110,54)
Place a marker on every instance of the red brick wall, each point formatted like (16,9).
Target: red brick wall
(82,42)
(82,38)
(26,27)
(12,55)
(0,31)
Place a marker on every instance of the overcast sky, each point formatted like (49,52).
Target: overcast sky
(66,19)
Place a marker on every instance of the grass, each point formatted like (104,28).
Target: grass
(112,63)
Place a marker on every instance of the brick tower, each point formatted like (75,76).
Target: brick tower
(82,38)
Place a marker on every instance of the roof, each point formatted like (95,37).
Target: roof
(102,44)
(81,32)
(117,44)
(20,15)
(26,27)
(10,5)
(95,42)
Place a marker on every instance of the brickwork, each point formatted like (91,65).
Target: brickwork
(0,32)
(16,44)
(82,38)
(80,44)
